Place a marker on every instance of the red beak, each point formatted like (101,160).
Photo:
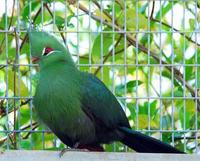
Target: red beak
(35,59)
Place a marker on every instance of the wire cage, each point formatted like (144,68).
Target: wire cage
(145,51)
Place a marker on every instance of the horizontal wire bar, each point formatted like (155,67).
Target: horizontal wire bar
(143,130)
(97,65)
(144,65)
(129,97)
(123,31)
(144,0)
(114,32)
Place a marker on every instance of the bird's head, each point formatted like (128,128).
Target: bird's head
(46,47)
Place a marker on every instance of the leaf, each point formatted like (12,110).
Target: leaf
(11,50)
(82,61)
(187,115)
(3,21)
(143,122)
(59,21)
(189,70)
(166,121)
(24,115)
(47,1)
(25,144)
(131,18)
(178,92)
(192,23)
(97,49)
(165,9)
(129,87)
(26,9)
(2,83)
(147,39)
(167,74)
(69,23)
(102,15)
(152,111)
(21,89)
(198,69)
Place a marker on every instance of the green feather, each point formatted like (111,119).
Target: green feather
(77,106)
(57,101)
(39,40)
(64,96)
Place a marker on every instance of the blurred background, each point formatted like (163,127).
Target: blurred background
(145,51)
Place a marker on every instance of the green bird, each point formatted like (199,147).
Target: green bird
(77,106)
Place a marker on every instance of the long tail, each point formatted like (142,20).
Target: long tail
(145,144)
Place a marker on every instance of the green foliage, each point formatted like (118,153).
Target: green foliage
(133,74)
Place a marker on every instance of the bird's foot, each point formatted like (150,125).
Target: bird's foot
(71,149)
(82,148)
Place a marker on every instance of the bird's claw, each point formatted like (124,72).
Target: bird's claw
(73,149)
(62,152)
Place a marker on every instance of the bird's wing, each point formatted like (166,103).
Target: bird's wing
(99,102)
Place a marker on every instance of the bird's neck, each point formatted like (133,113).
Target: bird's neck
(57,61)
(57,69)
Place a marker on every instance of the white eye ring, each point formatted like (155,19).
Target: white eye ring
(43,52)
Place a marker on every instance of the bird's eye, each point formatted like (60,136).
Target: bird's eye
(47,51)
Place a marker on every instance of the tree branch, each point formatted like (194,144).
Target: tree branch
(11,135)
(47,7)
(178,75)
(181,33)
(108,55)
(3,112)
(11,19)
(26,36)
(152,11)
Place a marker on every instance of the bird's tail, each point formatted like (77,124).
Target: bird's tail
(145,144)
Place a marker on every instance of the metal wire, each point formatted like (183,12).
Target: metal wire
(190,38)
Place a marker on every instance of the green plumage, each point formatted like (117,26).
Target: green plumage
(64,94)
(77,106)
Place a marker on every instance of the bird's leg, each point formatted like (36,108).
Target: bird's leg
(75,148)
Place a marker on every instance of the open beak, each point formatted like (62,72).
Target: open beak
(35,59)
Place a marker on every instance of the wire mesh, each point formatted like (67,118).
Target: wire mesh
(146,52)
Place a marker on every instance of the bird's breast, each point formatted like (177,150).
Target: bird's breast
(58,105)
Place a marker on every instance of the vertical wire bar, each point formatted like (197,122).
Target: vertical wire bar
(6,74)
(65,33)
(113,51)
(196,86)
(125,60)
(78,54)
(54,17)
(148,63)
(102,36)
(113,54)
(54,31)
(42,13)
(42,22)
(90,31)
(65,25)
(30,68)
(160,68)
(18,70)
(137,52)
(184,77)
(172,74)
